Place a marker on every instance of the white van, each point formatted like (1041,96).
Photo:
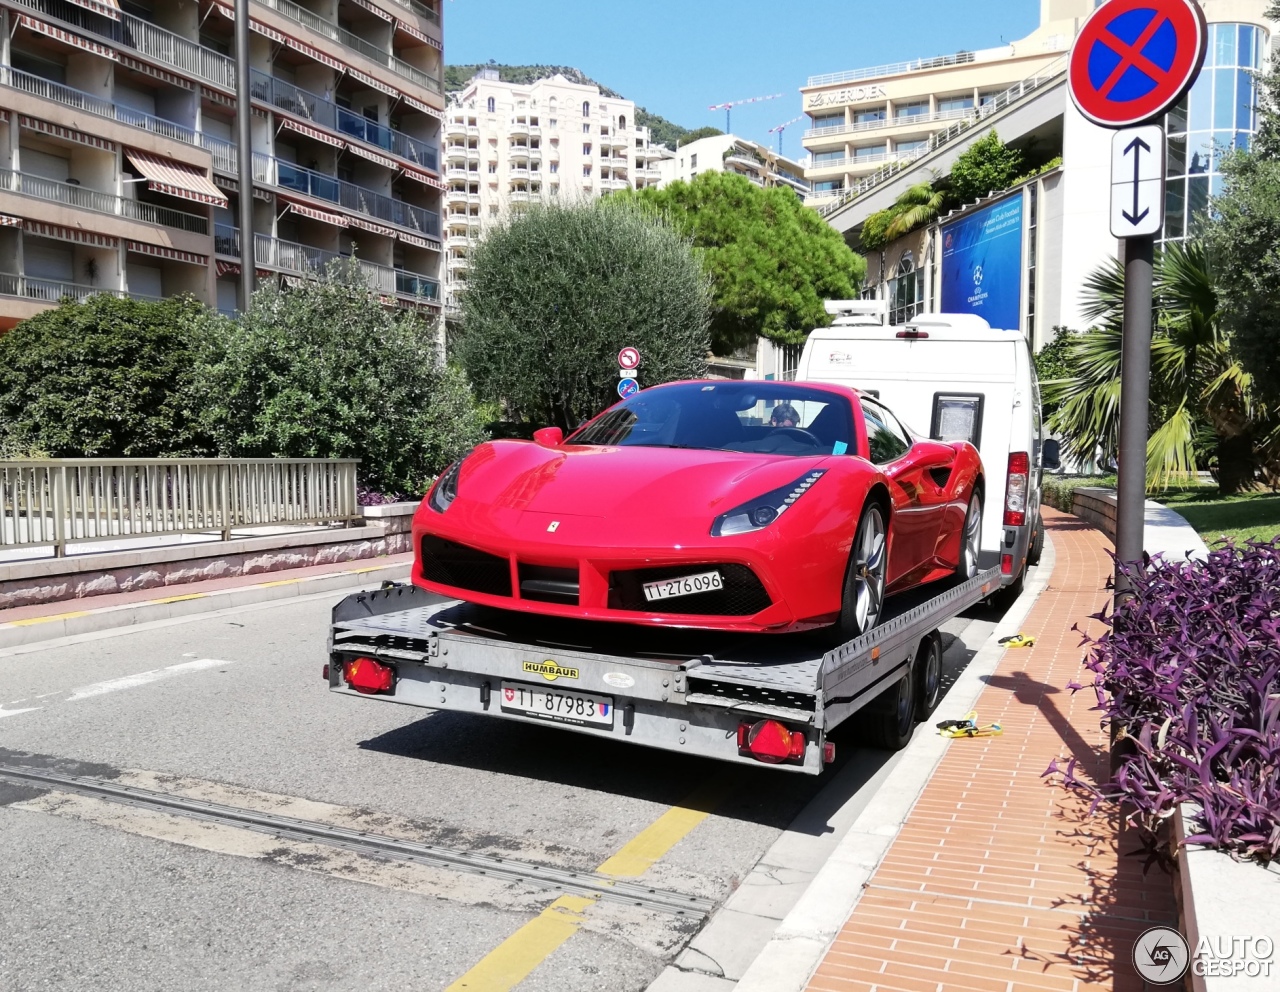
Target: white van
(952,377)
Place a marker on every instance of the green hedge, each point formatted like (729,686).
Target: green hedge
(1059,490)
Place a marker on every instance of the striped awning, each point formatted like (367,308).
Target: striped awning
(371,227)
(7,221)
(176,178)
(369,81)
(319,56)
(233,186)
(303,210)
(373,156)
(163,251)
(419,105)
(66,37)
(65,133)
(413,32)
(72,234)
(311,132)
(107,8)
(216,96)
(233,269)
(373,9)
(155,72)
(417,242)
(423,178)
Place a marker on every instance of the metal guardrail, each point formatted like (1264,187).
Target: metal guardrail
(891,69)
(1014,94)
(98,202)
(909,120)
(54,502)
(53,290)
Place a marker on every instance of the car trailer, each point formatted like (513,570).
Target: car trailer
(771,698)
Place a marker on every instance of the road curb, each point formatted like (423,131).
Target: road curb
(801,940)
(72,623)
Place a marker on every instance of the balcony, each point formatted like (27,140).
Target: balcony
(458,241)
(421,9)
(326,114)
(102,203)
(458,172)
(519,127)
(744,161)
(519,196)
(355,198)
(456,196)
(53,291)
(907,121)
(354,42)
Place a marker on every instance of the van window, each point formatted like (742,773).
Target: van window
(885,436)
(957,417)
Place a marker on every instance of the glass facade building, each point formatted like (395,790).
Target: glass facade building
(1218,116)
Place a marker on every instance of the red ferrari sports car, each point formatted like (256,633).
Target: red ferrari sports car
(748,506)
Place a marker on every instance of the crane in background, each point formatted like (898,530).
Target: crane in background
(782,127)
(728,107)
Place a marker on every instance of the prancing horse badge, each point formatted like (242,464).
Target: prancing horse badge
(553,526)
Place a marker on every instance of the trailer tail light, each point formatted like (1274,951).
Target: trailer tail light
(1015,493)
(326,673)
(770,742)
(828,752)
(369,676)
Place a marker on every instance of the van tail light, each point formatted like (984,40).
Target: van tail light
(1015,492)
(1006,564)
(369,676)
(770,742)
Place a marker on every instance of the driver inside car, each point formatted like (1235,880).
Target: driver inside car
(784,415)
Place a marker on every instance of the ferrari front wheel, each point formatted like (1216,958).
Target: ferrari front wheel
(864,583)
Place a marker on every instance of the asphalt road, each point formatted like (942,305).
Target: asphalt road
(102,897)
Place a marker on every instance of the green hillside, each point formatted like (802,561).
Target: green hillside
(661,130)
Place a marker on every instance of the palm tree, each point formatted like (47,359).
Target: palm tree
(917,206)
(1203,410)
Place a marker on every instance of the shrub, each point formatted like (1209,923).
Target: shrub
(1059,491)
(104,378)
(1188,676)
(324,370)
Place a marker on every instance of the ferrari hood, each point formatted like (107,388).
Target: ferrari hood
(632,483)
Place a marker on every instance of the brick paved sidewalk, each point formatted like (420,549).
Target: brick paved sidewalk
(999,881)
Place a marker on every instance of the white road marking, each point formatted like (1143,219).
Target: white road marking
(143,678)
(5,713)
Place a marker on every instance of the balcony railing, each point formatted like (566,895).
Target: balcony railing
(103,203)
(891,69)
(303,260)
(144,37)
(327,114)
(353,197)
(354,42)
(884,122)
(421,9)
(50,290)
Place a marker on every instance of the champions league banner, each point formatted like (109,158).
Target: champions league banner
(982,264)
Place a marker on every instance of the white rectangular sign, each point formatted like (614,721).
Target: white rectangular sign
(1137,181)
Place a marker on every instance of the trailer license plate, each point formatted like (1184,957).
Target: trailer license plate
(686,585)
(558,704)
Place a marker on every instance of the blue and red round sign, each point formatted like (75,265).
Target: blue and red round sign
(1134,59)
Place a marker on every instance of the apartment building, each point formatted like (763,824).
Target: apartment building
(118,168)
(861,119)
(508,145)
(729,153)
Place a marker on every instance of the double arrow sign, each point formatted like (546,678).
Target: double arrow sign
(1137,181)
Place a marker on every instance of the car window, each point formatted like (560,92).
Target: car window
(885,435)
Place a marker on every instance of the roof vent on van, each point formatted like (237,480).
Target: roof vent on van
(858,311)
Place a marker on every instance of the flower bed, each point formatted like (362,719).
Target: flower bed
(1188,677)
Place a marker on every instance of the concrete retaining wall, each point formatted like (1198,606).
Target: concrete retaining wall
(48,580)
(1165,532)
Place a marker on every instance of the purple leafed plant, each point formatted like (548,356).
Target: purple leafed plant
(371,497)
(1188,677)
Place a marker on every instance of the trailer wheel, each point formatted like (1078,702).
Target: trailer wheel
(928,675)
(891,716)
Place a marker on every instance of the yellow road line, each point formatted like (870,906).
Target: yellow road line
(174,599)
(512,961)
(31,621)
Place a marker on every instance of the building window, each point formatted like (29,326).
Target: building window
(552,122)
(869,116)
(955,104)
(586,170)
(827,158)
(586,108)
(586,128)
(586,149)
(555,166)
(492,105)
(693,161)
(906,290)
(1218,116)
(910,147)
(493,167)
(869,153)
(985,99)
(828,186)
(828,120)
(905,111)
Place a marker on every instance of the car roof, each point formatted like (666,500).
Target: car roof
(825,387)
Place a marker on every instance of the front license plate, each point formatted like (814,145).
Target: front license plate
(685,585)
(557,704)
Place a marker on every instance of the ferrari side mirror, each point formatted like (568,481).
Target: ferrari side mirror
(549,437)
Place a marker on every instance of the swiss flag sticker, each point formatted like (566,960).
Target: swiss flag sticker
(510,694)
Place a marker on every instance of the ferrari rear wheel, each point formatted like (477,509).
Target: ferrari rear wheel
(864,584)
(970,540)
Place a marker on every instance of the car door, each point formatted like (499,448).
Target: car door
(919,501)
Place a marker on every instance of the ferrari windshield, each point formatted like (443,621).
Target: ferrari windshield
(768,418)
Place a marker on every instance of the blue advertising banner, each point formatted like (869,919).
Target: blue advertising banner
(982,264)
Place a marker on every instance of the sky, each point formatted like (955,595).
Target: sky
(678,57)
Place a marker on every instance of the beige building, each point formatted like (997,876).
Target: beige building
(118,167)
(729,153)
(508,145)
(862,119)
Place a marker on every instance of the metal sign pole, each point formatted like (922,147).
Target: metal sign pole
(1135,391)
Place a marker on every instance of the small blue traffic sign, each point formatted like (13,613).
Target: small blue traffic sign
(628,388)
(1134,59)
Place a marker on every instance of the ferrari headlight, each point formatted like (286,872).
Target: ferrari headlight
(764,510)
(445,491)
